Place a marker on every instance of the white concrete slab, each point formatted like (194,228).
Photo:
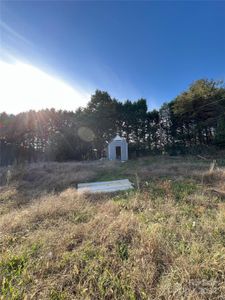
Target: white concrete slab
(105,186)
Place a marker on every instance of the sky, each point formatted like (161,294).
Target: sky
(57,53)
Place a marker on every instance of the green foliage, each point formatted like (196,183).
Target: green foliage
(195,118)
(220,132)
(111,286)
(195,112)
(181,189)
(80,217)
(13,273)
(56,295)
(11,281)
(122,249)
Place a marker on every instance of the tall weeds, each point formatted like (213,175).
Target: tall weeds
(165,240)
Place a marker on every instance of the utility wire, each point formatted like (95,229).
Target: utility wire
(212,102)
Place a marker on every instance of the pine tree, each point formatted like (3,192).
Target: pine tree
(220,133)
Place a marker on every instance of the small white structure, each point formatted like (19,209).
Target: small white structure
(118,149)
(105,186)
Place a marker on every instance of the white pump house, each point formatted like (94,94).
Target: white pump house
(118,149)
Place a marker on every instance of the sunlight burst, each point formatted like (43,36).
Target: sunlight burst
(25,87)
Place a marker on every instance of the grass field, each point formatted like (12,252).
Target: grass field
(163,240)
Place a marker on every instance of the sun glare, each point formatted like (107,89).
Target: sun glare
(25,87)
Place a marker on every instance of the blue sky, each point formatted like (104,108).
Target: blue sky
(130,49)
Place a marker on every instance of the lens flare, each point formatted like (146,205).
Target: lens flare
(86,134)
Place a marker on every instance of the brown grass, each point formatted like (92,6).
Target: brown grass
(214,177)
(165,241)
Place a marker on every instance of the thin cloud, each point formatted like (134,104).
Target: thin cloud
(13,33)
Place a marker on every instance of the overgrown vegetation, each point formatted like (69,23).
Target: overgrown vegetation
(192,123)
(164,240)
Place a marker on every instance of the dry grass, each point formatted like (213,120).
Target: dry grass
(35,180)
(215,177)
(165,241)
(54,177)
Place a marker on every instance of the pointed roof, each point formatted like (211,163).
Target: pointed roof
(118,138)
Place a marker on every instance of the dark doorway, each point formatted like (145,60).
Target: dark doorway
(118,152)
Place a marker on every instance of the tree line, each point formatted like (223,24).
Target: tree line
(192,122)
